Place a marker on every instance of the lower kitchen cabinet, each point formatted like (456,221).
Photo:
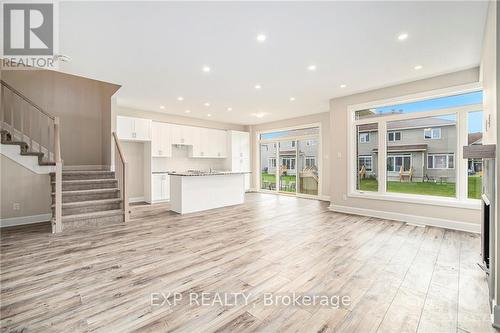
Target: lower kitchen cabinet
(160,187)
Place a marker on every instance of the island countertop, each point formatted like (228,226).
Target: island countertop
(206,173)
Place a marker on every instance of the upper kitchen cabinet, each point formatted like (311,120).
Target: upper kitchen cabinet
(133,129)
(182,135)
(239,144)
(161,139)
(209,143)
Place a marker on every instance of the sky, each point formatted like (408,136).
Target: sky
(475,119)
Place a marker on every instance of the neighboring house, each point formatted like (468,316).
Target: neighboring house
(307,154)
(428,145)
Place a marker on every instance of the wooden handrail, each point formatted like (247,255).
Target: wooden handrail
(26,99)
(43,122)
(121,170)
(119,147)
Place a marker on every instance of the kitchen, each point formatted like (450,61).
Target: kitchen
(164,156)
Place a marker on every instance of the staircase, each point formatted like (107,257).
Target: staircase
(31,137)
(89,199)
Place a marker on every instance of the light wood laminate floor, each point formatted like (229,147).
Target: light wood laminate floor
(399,278)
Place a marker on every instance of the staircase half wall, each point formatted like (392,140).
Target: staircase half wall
(25,195)
(83,106)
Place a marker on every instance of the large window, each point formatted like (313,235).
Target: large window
(421,148)
(290,161)
(366,170)
(474,166)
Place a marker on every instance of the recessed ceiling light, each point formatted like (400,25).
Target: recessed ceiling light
(162,107)
(229,109)
(209,115)
(402,36)
(312,68)
(206,69)
(343,86)
(258,86)
(261,38)
(180,98)
(259,114)
(418,67)
(207,104)
(292,99)
(187,111)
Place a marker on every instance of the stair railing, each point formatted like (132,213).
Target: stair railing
(27,122)
(121,171)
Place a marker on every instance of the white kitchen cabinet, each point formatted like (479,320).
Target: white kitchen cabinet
(161,139)
(182,135)
(209,143)
(160,187)
(239,151)
(133,129)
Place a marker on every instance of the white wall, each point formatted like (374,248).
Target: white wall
(489,79)
(339,170)
(20,185)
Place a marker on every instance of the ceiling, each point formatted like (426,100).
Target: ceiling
(156,51)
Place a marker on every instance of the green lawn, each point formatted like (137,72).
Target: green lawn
(271,178)
(427,188)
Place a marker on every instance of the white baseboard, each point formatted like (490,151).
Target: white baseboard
(85,167)
(13,221)
(136,199)
(408,218)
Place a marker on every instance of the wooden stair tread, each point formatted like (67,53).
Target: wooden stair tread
(32,153)
(88,202)
(103,213)
(86,181)
(96,190)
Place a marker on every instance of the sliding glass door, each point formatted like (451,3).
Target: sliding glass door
(289,161)
(288,166)
(268,166)
(308,166)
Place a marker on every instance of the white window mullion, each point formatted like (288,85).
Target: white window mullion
(382,156)
(459,161)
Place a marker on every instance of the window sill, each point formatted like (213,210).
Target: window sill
(474,204)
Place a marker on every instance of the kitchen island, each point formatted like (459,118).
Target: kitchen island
(197,191)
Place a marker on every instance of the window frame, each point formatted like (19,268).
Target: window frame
(394,136)
(460,164)
(393,156)
(271,161)
(313,158)
(367,140)
(434,155)
(432,129)
(366,157)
